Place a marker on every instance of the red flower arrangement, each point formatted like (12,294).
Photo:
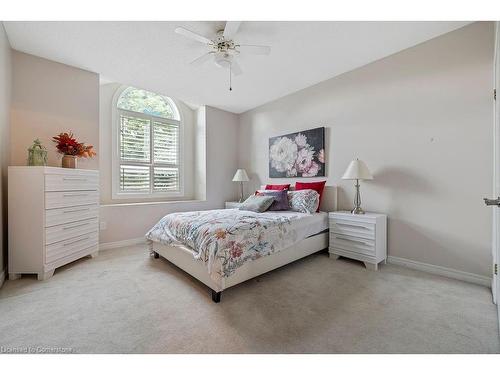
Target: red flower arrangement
(68,145)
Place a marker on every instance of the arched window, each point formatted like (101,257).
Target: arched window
(147,152)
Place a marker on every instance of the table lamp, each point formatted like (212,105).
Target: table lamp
(241,176)
(357,170)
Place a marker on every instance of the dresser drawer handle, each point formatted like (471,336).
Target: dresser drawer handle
(75,241)
(352,225)
(75,195)
(76,210)
(353,240)
(75,226)
(74,179)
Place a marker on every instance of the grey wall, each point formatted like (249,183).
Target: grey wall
(422,121)
(49,98)
(5,99)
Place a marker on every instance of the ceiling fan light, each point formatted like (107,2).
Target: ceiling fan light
(223,60)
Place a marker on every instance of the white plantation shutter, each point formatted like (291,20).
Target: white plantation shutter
(134,139)
(166,179)
(149,154)
(166,151)
(166,143)
(134,178)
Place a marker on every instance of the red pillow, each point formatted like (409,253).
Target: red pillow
(278,187)
(318,186)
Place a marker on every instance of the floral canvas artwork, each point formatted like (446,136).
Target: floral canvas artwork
(299,154)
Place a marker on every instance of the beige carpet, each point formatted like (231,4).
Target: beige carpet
(126,302)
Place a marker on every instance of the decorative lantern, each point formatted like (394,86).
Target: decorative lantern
(37,154)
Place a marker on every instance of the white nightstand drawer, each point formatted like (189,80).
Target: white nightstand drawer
(358,245)
(352,228)
(352,218)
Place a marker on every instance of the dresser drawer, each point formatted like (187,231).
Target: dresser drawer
(71,214)
(353,244)
(353,228)
(59,199)
(65,231)
(67,182)
(70,246)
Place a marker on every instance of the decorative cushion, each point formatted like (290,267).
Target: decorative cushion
(317,186)
(278,187)
(280,199)
(257,203)
(305,200)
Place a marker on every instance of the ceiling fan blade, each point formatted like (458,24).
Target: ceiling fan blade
(254,49)
(231,29)
(200,60)
(236,68)
(192,35)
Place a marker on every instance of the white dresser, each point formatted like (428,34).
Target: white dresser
(53,218)
(361,237)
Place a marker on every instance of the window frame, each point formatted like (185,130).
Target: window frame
(116,161)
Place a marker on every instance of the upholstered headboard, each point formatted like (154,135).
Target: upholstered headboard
(328,200)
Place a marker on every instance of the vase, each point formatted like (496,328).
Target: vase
(37,154)
(69,161)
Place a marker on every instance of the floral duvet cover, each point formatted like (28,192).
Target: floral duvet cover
(226,239)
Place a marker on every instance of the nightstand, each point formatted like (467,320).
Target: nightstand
(361,237)
(233,204)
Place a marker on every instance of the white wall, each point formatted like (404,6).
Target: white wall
(49,98)
(200,154)
(422,121)
(127,221)
(5,99)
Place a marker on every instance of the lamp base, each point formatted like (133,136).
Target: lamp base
(241,193)
(357,202)
(357,211)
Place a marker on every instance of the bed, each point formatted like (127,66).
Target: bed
(222,248)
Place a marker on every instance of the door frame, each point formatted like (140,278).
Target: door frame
(495,284)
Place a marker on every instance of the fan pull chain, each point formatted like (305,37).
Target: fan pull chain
(230,83)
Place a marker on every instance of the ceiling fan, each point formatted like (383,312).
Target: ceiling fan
(222,49)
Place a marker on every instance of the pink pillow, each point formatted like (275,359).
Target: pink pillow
(317,186)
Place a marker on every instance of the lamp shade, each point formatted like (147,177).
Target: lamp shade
(357,170)
(240,176)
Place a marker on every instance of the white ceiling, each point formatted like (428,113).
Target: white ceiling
(151,56)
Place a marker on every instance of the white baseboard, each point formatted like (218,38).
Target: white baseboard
(2,278)
(441,271)
(130,242)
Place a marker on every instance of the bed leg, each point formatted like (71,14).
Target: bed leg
(156,255)
(216,296)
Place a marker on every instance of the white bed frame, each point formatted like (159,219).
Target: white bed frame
(183,258)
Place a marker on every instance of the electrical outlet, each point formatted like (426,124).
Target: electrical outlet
(102,225)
